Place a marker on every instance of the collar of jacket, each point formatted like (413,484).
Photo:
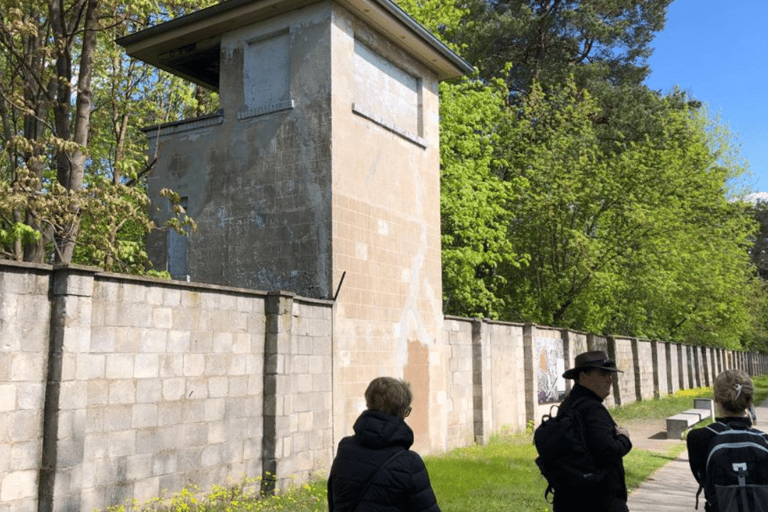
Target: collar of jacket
(579,391)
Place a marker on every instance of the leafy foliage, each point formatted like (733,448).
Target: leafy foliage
(548,40)
(474,198)
(574,196)
(71,106)
(571,194)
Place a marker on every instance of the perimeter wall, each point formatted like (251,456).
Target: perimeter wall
(115,387)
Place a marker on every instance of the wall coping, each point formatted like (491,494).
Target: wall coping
(99,274)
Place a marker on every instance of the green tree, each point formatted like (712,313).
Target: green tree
(474,198)
(70,107)
(638,240)
(546,41)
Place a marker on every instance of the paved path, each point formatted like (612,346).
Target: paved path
(672,488)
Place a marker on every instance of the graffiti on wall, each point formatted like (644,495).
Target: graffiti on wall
(549,374)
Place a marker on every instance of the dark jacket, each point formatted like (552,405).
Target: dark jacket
(698,447)
(607,449)
(403,485)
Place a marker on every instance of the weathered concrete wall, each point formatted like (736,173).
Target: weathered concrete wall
(464,340)
(298,381)
(323,168)
(154,385)
(115,387)
(673,368)
(660,363)
(626,387)
(386,228)
(24,333)
(508,373)
(257,176)
(642,353)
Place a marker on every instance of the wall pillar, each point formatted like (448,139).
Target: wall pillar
(660,365)
(611,349)
(481,382)
(277,387)
(569,354)
(705,366)
(529,369)
(70,366)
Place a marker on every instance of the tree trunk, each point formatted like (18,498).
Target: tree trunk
(72,163)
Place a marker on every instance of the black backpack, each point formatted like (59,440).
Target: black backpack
(736,474)
(564,459)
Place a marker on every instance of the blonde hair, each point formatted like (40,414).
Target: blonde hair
(389,395)
(733,390)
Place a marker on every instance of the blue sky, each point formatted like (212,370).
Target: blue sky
(718,51)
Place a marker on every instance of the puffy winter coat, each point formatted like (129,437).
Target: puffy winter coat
(403,485)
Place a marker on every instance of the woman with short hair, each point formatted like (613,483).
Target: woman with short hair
(374,470)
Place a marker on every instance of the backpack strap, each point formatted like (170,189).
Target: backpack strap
(360,496)
(701,488)
(716,428)
(572,406)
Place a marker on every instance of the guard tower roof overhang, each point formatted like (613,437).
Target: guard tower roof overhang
(188,46)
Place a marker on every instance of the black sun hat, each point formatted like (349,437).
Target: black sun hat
(594,359)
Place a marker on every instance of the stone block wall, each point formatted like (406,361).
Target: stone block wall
(161,387)
(114,387)
(509,371)
(23,361)
(644,369)
(659,361)
(459,334)
(650,369)
(625,389)
(673,368)
(299,366)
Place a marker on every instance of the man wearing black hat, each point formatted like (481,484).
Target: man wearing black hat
(594,375)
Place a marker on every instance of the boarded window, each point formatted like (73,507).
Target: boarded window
(386,90)
(266,76)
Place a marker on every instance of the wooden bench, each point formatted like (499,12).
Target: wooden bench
(679,423)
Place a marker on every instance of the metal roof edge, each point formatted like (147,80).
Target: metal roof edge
(460,66)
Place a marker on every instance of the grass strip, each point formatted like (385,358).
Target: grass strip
(498,476)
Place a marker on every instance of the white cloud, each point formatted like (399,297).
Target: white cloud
(757,197)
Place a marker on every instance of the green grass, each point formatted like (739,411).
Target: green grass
(659,408)
(489,477)
(241,497)
(501,473)
(761,388)
(498,476)
(680,401)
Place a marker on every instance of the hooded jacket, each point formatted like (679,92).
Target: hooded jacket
(402,485)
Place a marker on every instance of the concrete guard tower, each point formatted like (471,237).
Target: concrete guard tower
(321,165)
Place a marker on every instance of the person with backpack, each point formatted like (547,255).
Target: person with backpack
(598,484)
(374,470)
(729,458)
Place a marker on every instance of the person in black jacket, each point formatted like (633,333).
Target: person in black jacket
(594,374)
(733,393)
(374,470)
